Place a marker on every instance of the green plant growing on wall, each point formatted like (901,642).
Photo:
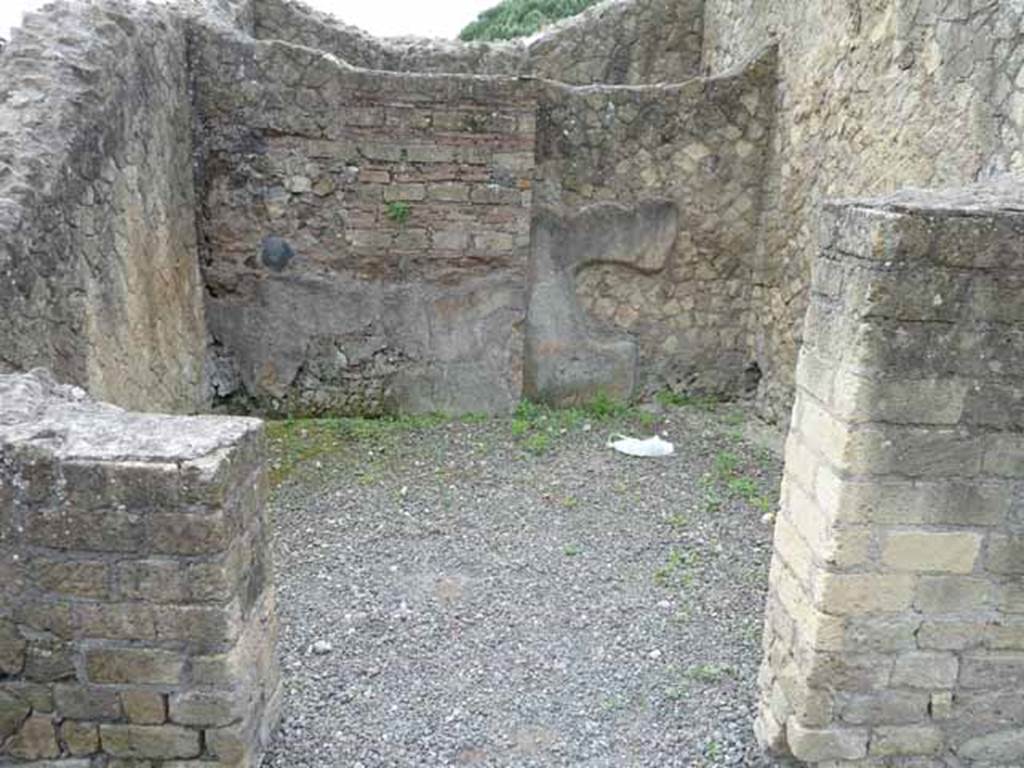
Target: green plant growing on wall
(399,212)
(519,18)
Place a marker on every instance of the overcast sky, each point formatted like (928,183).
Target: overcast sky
(437,18)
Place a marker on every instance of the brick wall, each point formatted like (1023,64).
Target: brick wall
(895,633)
(136,610)
(405,202)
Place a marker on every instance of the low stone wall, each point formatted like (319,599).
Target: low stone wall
(895,630)
(615,42)
(136,608)
(100,280)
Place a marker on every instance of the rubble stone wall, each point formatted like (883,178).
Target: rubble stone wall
(100,280)
(895,628)
(615,42)
(874,95)
(366,234)
(646,211)
(136,608)
(401,207)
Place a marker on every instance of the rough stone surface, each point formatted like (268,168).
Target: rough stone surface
(98,273)
(875,96)
(413,212)
(900,653)
(617,42)
(90,488)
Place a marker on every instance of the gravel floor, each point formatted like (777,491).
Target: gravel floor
(448,598)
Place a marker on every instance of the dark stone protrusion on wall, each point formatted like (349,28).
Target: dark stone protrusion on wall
(275,252)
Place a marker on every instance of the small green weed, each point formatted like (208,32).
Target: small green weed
(399,212)
(668,398)
(572,550)
(677,570)
(710,673)
(677,520)
(537,443)
(294,442)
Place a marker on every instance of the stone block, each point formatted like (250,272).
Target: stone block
(889,707)
(1005,554)
(1004,455)
(115,621)
(36,739)
(992,671)
(204,627)
(952,635)
(940,706)
(881,634)
(187,534)
(859,399)
(928,551)
(1004,747)
(13,712)
(48,660)
(951,594)
(906,740)
(925,670)
(85,702)
(161,742)
(207,709)
(134,666)
(815,745)
(71,578)
(12,648)
(81,738)
(144,707)
(850,594)
(404,192)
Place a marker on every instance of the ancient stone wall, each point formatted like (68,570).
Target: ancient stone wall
(367,242)
(895,632)
(646,208)
(874,95)
(366,234)
(97,205)
(136,610)
(620,41)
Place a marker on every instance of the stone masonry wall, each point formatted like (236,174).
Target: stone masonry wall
(620,41)
(646,208)
(365,234)
(895,630)
(874,95)
(136,610)
(98,272)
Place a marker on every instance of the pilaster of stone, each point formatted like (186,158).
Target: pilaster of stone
(895,632)
(137,618)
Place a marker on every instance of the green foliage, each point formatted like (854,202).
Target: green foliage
(668,398)
(710,672)
(537,427)
(538,443)
(520,18)
(678,569)
(294,442)
(399,212)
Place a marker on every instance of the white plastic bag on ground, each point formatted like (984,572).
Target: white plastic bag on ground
(649,448)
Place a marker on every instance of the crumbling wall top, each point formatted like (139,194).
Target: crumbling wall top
(36,411)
